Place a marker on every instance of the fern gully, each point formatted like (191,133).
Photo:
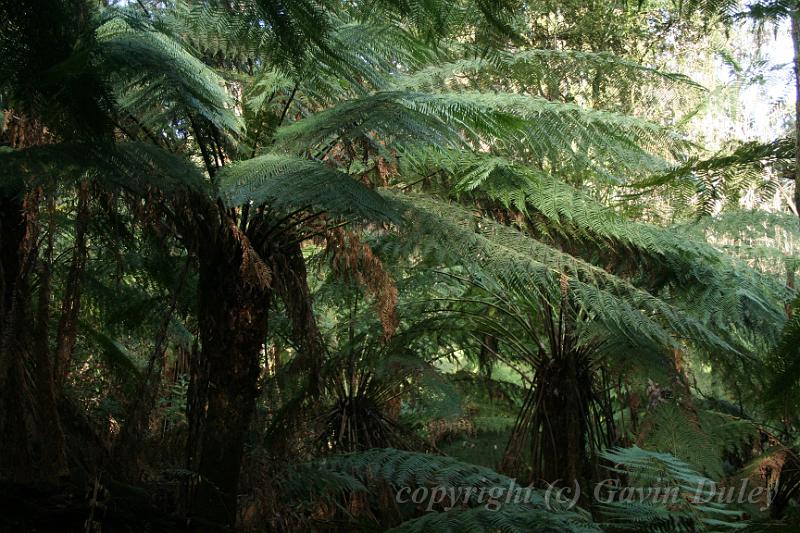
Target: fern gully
(268,265)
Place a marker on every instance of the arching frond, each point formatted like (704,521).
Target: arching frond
(132,166)
(526,265)
(286,183)
(158,79)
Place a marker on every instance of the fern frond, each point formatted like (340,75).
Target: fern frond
(524,264)
(507,518)
(699,438)
(409,469)
(286,182)
(768,241)
(783,384)
(156,77)
(559,137)
(557,74)
(132,166)
(674,497)
(564,136)
(114,354)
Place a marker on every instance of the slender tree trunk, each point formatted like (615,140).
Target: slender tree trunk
(224,377)
(136,426)
(52,458)
(291,282)
(795,20)
(488,353)
(70,308)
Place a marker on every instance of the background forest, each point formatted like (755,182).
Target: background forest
(268,266)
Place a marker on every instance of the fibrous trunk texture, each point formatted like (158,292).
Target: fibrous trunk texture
(31,439)
(233,304)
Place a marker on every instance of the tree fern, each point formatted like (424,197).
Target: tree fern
(523,262)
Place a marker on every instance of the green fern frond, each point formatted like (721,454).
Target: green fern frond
(115,355)
(507,519)
(671,496)
(560,137)
(286,182)
(132,166)
(524,264)
(700,438)
(535,130)
(783,362)
(410,469)
(161,77)
(543,72)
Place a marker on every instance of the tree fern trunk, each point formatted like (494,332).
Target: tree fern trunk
(223,383)
(31,439)
(563,421)
(555,422)
(291,282)
(16,461)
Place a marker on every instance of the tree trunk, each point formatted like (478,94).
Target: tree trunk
(556,417)
(795,21)
(563,430)
(136,426)
(489,350)
(51,455)
(70,308)
(233,304)
(555,421)
(31,439)
(16,461)
(291,282)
